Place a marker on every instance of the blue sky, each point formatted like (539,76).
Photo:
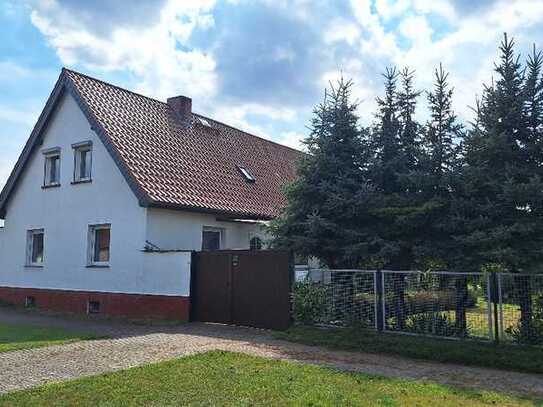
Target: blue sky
(260,65)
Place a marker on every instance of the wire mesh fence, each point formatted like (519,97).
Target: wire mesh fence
(520,308)
(437,304)
(336,297)
(505,307)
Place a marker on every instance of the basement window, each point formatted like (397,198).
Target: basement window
(246,174)
(93,307)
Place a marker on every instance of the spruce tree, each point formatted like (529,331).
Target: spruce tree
(501,205)
(443,135)
(440,163)
(393,171)
(327,205)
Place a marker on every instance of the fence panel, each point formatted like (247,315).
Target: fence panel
(437,304)
(339,297)
(503,307)
(521,308)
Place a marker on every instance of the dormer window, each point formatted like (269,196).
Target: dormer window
(51,176)
(82,161)
(246,174)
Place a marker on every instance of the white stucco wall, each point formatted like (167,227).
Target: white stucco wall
(65,214)
(181,230)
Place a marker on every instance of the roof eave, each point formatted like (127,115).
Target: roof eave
(199,209)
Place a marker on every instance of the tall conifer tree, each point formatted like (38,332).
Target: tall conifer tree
(327,205)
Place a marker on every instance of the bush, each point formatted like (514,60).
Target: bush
(532,334)
(432,323)
(442,300)
(309,302)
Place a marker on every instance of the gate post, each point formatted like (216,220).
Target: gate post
(192,285)
(380,320)
(495,299)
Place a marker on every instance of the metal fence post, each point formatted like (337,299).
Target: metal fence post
(495,307)
(500,300)
(380,322)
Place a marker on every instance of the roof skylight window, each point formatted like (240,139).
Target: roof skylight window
(246,174)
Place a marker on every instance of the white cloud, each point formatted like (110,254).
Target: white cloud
(292,139)
(151,52)
(284,53)
(467,47)
(389,9)
(341,30)
(380,33)
(237,116)
(11,115)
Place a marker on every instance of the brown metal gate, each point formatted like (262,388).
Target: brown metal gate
(242,287)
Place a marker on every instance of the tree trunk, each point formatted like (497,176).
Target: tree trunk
(461,286)
(399,300)
(524,290)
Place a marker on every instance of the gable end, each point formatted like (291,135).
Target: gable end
(63,85)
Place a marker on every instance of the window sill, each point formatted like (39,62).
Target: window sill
(82,181)
(33,266)
(97,266)
(50,186)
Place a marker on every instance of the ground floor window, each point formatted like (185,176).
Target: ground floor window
(211,238)
(99,245)
(34,247)
(255,243)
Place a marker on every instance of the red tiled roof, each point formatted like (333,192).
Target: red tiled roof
(186,164)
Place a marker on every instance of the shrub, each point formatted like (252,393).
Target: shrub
(309,302)
(432,323)
(442,300)
(532,334)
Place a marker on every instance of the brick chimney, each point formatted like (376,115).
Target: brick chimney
(181,105)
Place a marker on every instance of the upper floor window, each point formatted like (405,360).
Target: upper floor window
(52,167)
(34,247)
(99,245)
(82,161)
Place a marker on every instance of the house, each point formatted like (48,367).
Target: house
(112,192)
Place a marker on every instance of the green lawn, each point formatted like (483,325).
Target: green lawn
(231,379)
(508,357)
(16,337)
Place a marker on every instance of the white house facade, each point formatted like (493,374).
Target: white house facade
(90,224)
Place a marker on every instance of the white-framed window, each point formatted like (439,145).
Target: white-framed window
(82,161)
(212,238)
(35,247)
(99,245)
(51,175)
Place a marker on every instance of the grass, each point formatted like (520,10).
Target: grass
(508,357)
(477,318)
(17,337)
(231,379)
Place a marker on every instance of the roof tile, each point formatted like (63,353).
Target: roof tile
(189,166)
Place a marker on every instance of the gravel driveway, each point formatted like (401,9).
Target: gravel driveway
(133,345)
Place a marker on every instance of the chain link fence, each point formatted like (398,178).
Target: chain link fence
(505,307)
